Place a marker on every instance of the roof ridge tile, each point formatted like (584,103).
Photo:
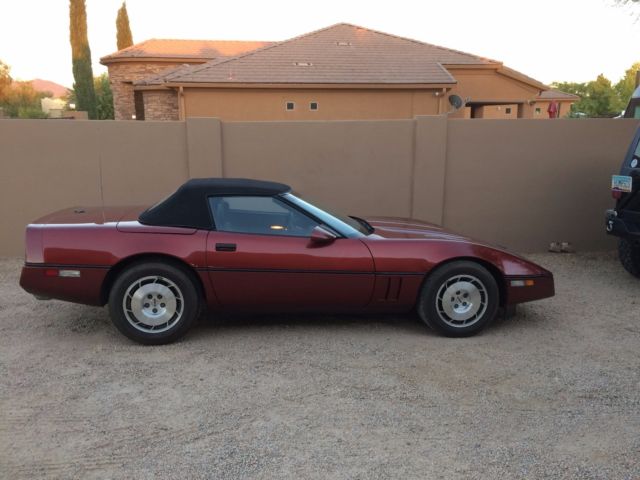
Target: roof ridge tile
(420,42)
(375,57)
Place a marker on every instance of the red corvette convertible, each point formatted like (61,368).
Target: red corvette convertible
(251,245)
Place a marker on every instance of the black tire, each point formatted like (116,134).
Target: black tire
(149,281)
(629,255)
(455,291)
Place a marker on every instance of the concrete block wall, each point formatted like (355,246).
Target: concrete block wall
(519,184)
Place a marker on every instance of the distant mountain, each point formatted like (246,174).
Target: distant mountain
(49,86)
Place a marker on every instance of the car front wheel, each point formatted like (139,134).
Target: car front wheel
(459,299)
(154,303)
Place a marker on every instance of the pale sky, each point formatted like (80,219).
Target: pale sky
(565,40)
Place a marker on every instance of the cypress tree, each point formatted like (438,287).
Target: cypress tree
(5,80)
(124,37)
(81,58)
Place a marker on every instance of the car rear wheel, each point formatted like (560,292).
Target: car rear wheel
(154,303)
(629,254)
(459,299)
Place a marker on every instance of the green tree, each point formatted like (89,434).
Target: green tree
(604,100)
(626,85)
(104,97)
(124,37)
(598,98)
(576,88)
(81,58)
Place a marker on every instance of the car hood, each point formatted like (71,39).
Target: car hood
(389,227)
(402,229)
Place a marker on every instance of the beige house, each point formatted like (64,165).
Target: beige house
(343,72)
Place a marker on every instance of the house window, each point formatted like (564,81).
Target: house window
(291,105)
(313,106)
(507,110)
(538,111)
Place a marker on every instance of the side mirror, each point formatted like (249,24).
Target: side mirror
(321,236)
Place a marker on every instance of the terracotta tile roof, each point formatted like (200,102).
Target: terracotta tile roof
(557,95)
(185,49)
(510,72)
(340,54)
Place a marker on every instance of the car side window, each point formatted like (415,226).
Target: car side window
(259,215)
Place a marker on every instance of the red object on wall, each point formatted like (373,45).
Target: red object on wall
(553,109)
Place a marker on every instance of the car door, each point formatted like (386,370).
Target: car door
(261,257)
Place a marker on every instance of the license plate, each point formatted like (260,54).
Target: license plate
(621,183)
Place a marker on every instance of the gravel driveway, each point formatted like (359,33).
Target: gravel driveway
(551,393)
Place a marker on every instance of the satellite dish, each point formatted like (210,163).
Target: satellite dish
(456,102)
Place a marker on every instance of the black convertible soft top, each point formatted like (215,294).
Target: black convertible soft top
(188,206)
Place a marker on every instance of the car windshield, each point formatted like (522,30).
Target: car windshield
(348,226)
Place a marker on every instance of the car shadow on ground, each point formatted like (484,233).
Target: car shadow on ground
(211,323)
(80,319)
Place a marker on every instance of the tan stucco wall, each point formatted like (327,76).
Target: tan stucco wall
(365,165)
(521,184)
(476,85)
(504,112)
(269,104)
(49,165)
(487,85)
(528,183)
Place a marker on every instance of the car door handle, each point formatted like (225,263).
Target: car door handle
(225,247)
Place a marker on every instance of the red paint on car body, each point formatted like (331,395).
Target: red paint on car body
(383,271)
